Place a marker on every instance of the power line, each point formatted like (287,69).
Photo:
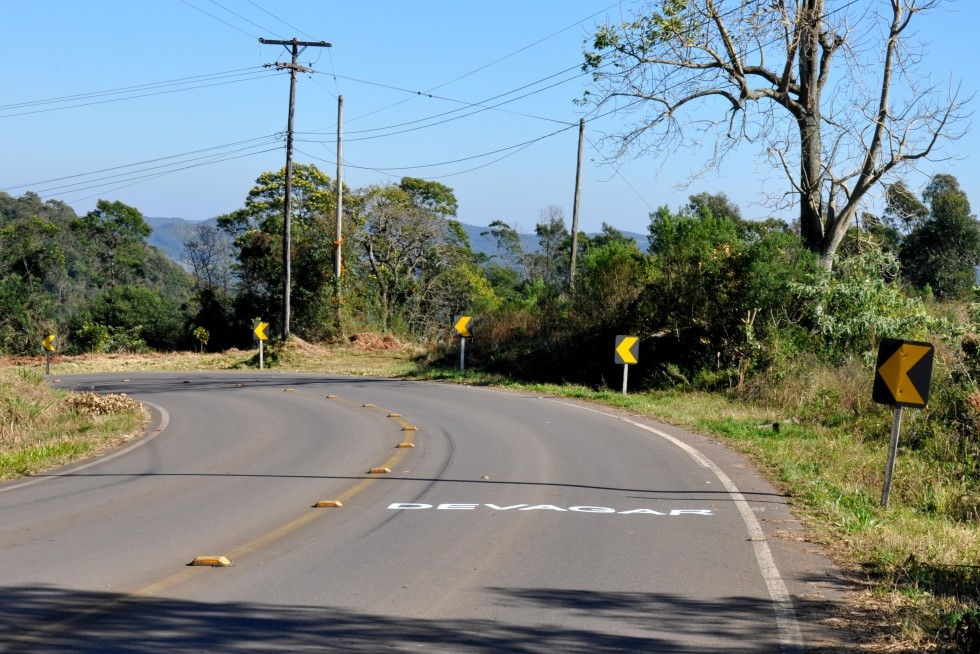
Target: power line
(140,180)
(492,63)
(135,87)
(139,163)
(292,27)
(218,4)
(144,166)
(476,156)
(480,105)
(254,76)
(219,19)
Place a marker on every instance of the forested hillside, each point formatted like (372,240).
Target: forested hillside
(92,280)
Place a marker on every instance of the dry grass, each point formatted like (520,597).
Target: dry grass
(41,428)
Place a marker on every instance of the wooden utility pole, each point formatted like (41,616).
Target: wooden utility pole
(339,242)
(578,193)
(294,67)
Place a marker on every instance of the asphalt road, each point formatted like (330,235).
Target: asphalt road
(516,523)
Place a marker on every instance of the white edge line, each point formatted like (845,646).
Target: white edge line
(164,421)
(790,636)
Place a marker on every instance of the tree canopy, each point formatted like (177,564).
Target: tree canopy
(830,95)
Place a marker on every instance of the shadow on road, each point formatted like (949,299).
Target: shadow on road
(51,619)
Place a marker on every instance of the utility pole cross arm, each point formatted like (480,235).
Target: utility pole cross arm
(317,44)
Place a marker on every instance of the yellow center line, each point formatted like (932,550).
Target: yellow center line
(158,587)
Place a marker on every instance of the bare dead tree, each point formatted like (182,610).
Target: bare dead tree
(207,251)
(828,92)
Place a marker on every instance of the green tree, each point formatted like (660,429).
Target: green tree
(830,103)
(719,291)
(257,232)
(136,317)
(715,204)
(412,252)
(611,275)
(942,251)
(903,211)
(434,197)
(116,234)
(860,302)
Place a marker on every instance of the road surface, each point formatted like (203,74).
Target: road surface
(509,522)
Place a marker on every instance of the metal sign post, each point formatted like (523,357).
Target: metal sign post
(892,453)
(462,326)
(902,376)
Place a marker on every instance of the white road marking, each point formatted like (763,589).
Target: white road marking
(417,506)
(790,636)
(164,421)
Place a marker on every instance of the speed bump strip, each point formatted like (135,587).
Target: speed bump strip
(410,428)
(368,405)
(394,415)
(405,445)
(325,504)
(379,471)
(213,561)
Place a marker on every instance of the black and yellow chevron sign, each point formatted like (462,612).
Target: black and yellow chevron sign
(462,326)
(627,349)
(258,329)
(903,373)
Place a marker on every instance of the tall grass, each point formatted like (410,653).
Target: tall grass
(40,428)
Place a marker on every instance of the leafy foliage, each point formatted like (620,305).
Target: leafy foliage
(54,267)
(941,251)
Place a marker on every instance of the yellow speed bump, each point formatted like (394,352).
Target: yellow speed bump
(367,406)
(213,561)
(379,471)
(405,445)
(329,504)
(331,397)
(410,428)
(394,415)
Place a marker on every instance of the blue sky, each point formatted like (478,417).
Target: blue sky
(191,117)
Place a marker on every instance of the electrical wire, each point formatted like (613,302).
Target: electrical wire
(485,66)
(258,73)
(140,180)
(295,29)
(218,4)
(219,19)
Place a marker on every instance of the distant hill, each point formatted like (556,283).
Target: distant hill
(169,234)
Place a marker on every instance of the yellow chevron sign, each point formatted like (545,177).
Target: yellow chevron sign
(49,343)
(903,373)
(259,330)
(627,349)
(462,326)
